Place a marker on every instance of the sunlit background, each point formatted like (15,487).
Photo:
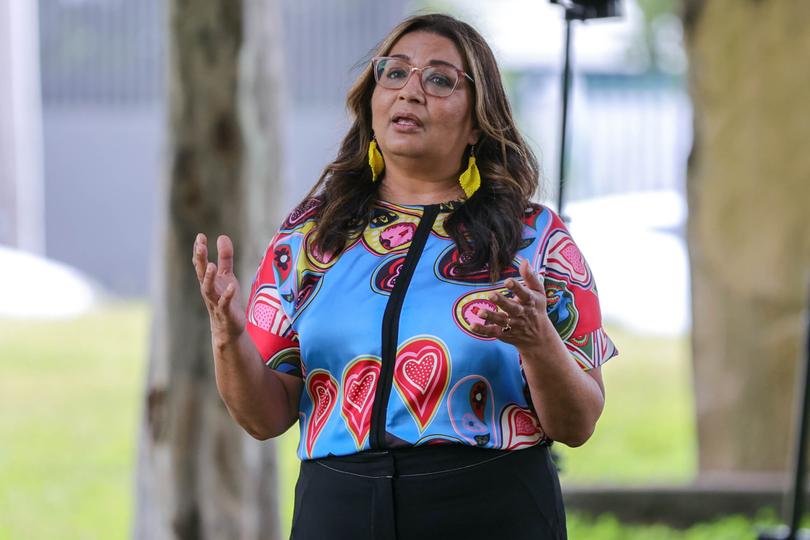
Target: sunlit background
(84,166)
(82,132)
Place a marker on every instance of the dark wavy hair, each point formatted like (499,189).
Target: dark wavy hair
(487,228)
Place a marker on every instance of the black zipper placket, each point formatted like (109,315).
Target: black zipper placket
(390,325)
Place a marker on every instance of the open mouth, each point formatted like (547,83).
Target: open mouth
(406,120)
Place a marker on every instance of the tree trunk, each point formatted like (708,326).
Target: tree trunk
(749,226)
(200,476)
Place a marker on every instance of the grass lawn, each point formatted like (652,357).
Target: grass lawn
(70,401)
(69,396)
(647,431)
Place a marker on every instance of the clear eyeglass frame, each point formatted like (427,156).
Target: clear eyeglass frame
(425,72)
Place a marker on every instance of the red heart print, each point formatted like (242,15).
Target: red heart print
(524,425)
(563,258)
(322,389)
(421,376)
(397,235)
(519,427)
(265,311)
(359,382)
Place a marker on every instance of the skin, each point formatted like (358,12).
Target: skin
(263,401)
(568,400)
(422,165)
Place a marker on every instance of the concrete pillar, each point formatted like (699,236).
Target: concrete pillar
(22,213)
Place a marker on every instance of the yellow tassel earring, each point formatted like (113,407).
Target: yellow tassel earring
(375,160)
(470,179)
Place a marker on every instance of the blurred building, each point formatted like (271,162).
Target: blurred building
(104,120)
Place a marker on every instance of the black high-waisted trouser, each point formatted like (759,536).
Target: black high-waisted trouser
(440,492)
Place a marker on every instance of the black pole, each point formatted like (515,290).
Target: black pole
(580,10)
(566,77)
(798,490)
(797,502)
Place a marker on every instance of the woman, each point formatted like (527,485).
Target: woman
(432,330)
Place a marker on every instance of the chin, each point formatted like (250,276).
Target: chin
(404,149)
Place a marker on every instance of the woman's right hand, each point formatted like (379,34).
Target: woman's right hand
(220,289)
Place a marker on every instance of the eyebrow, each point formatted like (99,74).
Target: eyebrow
(430,63)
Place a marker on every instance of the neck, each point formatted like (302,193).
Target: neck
(401,186)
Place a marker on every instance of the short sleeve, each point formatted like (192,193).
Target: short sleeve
(267,323)
(572,299)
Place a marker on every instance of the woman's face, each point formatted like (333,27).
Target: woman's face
(409,123)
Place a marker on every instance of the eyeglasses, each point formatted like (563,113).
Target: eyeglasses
(438,80)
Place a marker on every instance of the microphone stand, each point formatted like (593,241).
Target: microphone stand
(572,12)
(575,10)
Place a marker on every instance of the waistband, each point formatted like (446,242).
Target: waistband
(418,461)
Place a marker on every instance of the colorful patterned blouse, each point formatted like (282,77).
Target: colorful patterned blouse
(381,333)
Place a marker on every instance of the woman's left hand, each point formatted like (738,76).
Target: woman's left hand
(568,400)
(522,319)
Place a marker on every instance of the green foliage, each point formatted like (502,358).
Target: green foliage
(653,8)
(70,393)
(607,527)
(647,44)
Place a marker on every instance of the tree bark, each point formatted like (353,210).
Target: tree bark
(749,226)
(199,475)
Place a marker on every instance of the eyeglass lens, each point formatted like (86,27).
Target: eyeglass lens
(393,73)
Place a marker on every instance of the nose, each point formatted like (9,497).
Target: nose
(412,91)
